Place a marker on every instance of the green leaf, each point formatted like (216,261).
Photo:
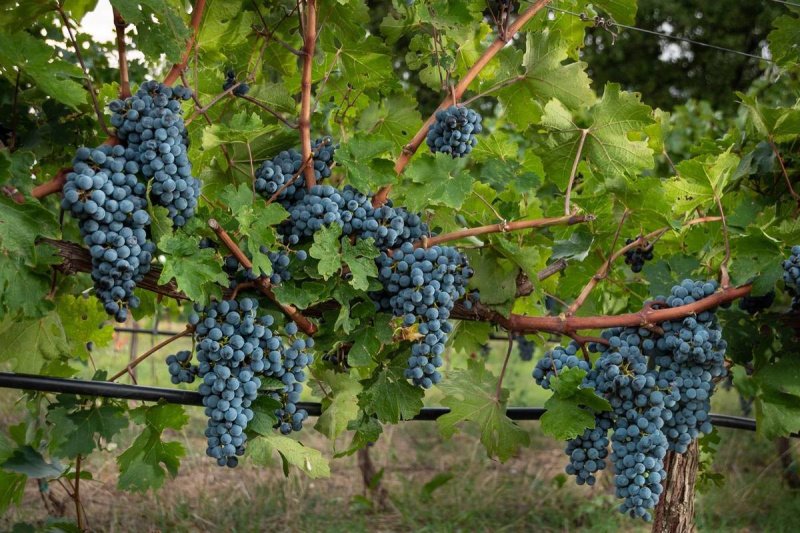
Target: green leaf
(699,179)
(546,77)
(435,180)
(784,40)
(148,460)
(340,404)
(159,28)
(12,484)
(84,321)
(390,396)
(576,247)
(395,119)
(564,419)
(360,158)
(31,342)
(623,11)
(76,429)
(309,460)
(196,270)
(242,128)
(41,64)
(21,224)
(608,147)
(360,257)
(326,249)
(27,461)
(471,396)
(302,296)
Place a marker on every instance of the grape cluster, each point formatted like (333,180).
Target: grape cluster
(525,347)
(756,304)
(180,367)
(229,355)
(689,356)
(287,362)
(454,131)
(791,270)
(637,257)
(555,360)
(230,80)
(273,175)
(422,285)
(149,123)
(103,193)
(587,452)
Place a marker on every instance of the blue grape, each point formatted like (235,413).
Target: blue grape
(454,131)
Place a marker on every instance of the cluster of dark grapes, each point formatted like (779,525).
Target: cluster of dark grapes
(180,367)
(470,299)
(637,257)
(229,355)
(525,347)
(230,80)
(150,125)
(103,193)
(690,356)
(236,347)
(454,131)
(654,409)
(791,276)
(287,362)
(276,174)
(756,304)
(422,286)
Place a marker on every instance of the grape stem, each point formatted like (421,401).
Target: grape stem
(574,172)
(502,227)
(413,145)
(499,390)
(133,364)
(304,123)
(197,18)
(263,283)
(725,278)
(641,241)
(269,110)
(124,79)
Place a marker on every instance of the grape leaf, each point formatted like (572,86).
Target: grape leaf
(309,460)
(22,290)
(394,119)
(196,270)
(784,40)
(84,320)
(607,145)
(360,157)
(471,396)
(451,186)
(339,405)
(145,464)
(546,77)
(326,249)
(360,258)
(566,416)
(390,396)
(12,484)
(31,342)
(40,62)
(159,28)
(21,224)
(623,11)
(699,179)
(76,429)
(25,460)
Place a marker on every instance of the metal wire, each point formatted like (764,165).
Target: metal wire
(609,25)
(121,391)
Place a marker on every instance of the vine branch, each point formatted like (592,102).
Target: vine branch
(124,80)
(458,91)
(502,227)
(263,283)
(783,170)
(133,364)
(304,123)
(79,56)
(177,68)
(574,172)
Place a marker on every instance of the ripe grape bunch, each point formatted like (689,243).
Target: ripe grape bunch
(103,193)
(149,123)
(180,367)
(655,408)
(236,348)
(755,304)
(791,274)
(275,175)
(637,257)
(454,131)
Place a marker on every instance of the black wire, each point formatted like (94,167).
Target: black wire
(108,389)
(609,24)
